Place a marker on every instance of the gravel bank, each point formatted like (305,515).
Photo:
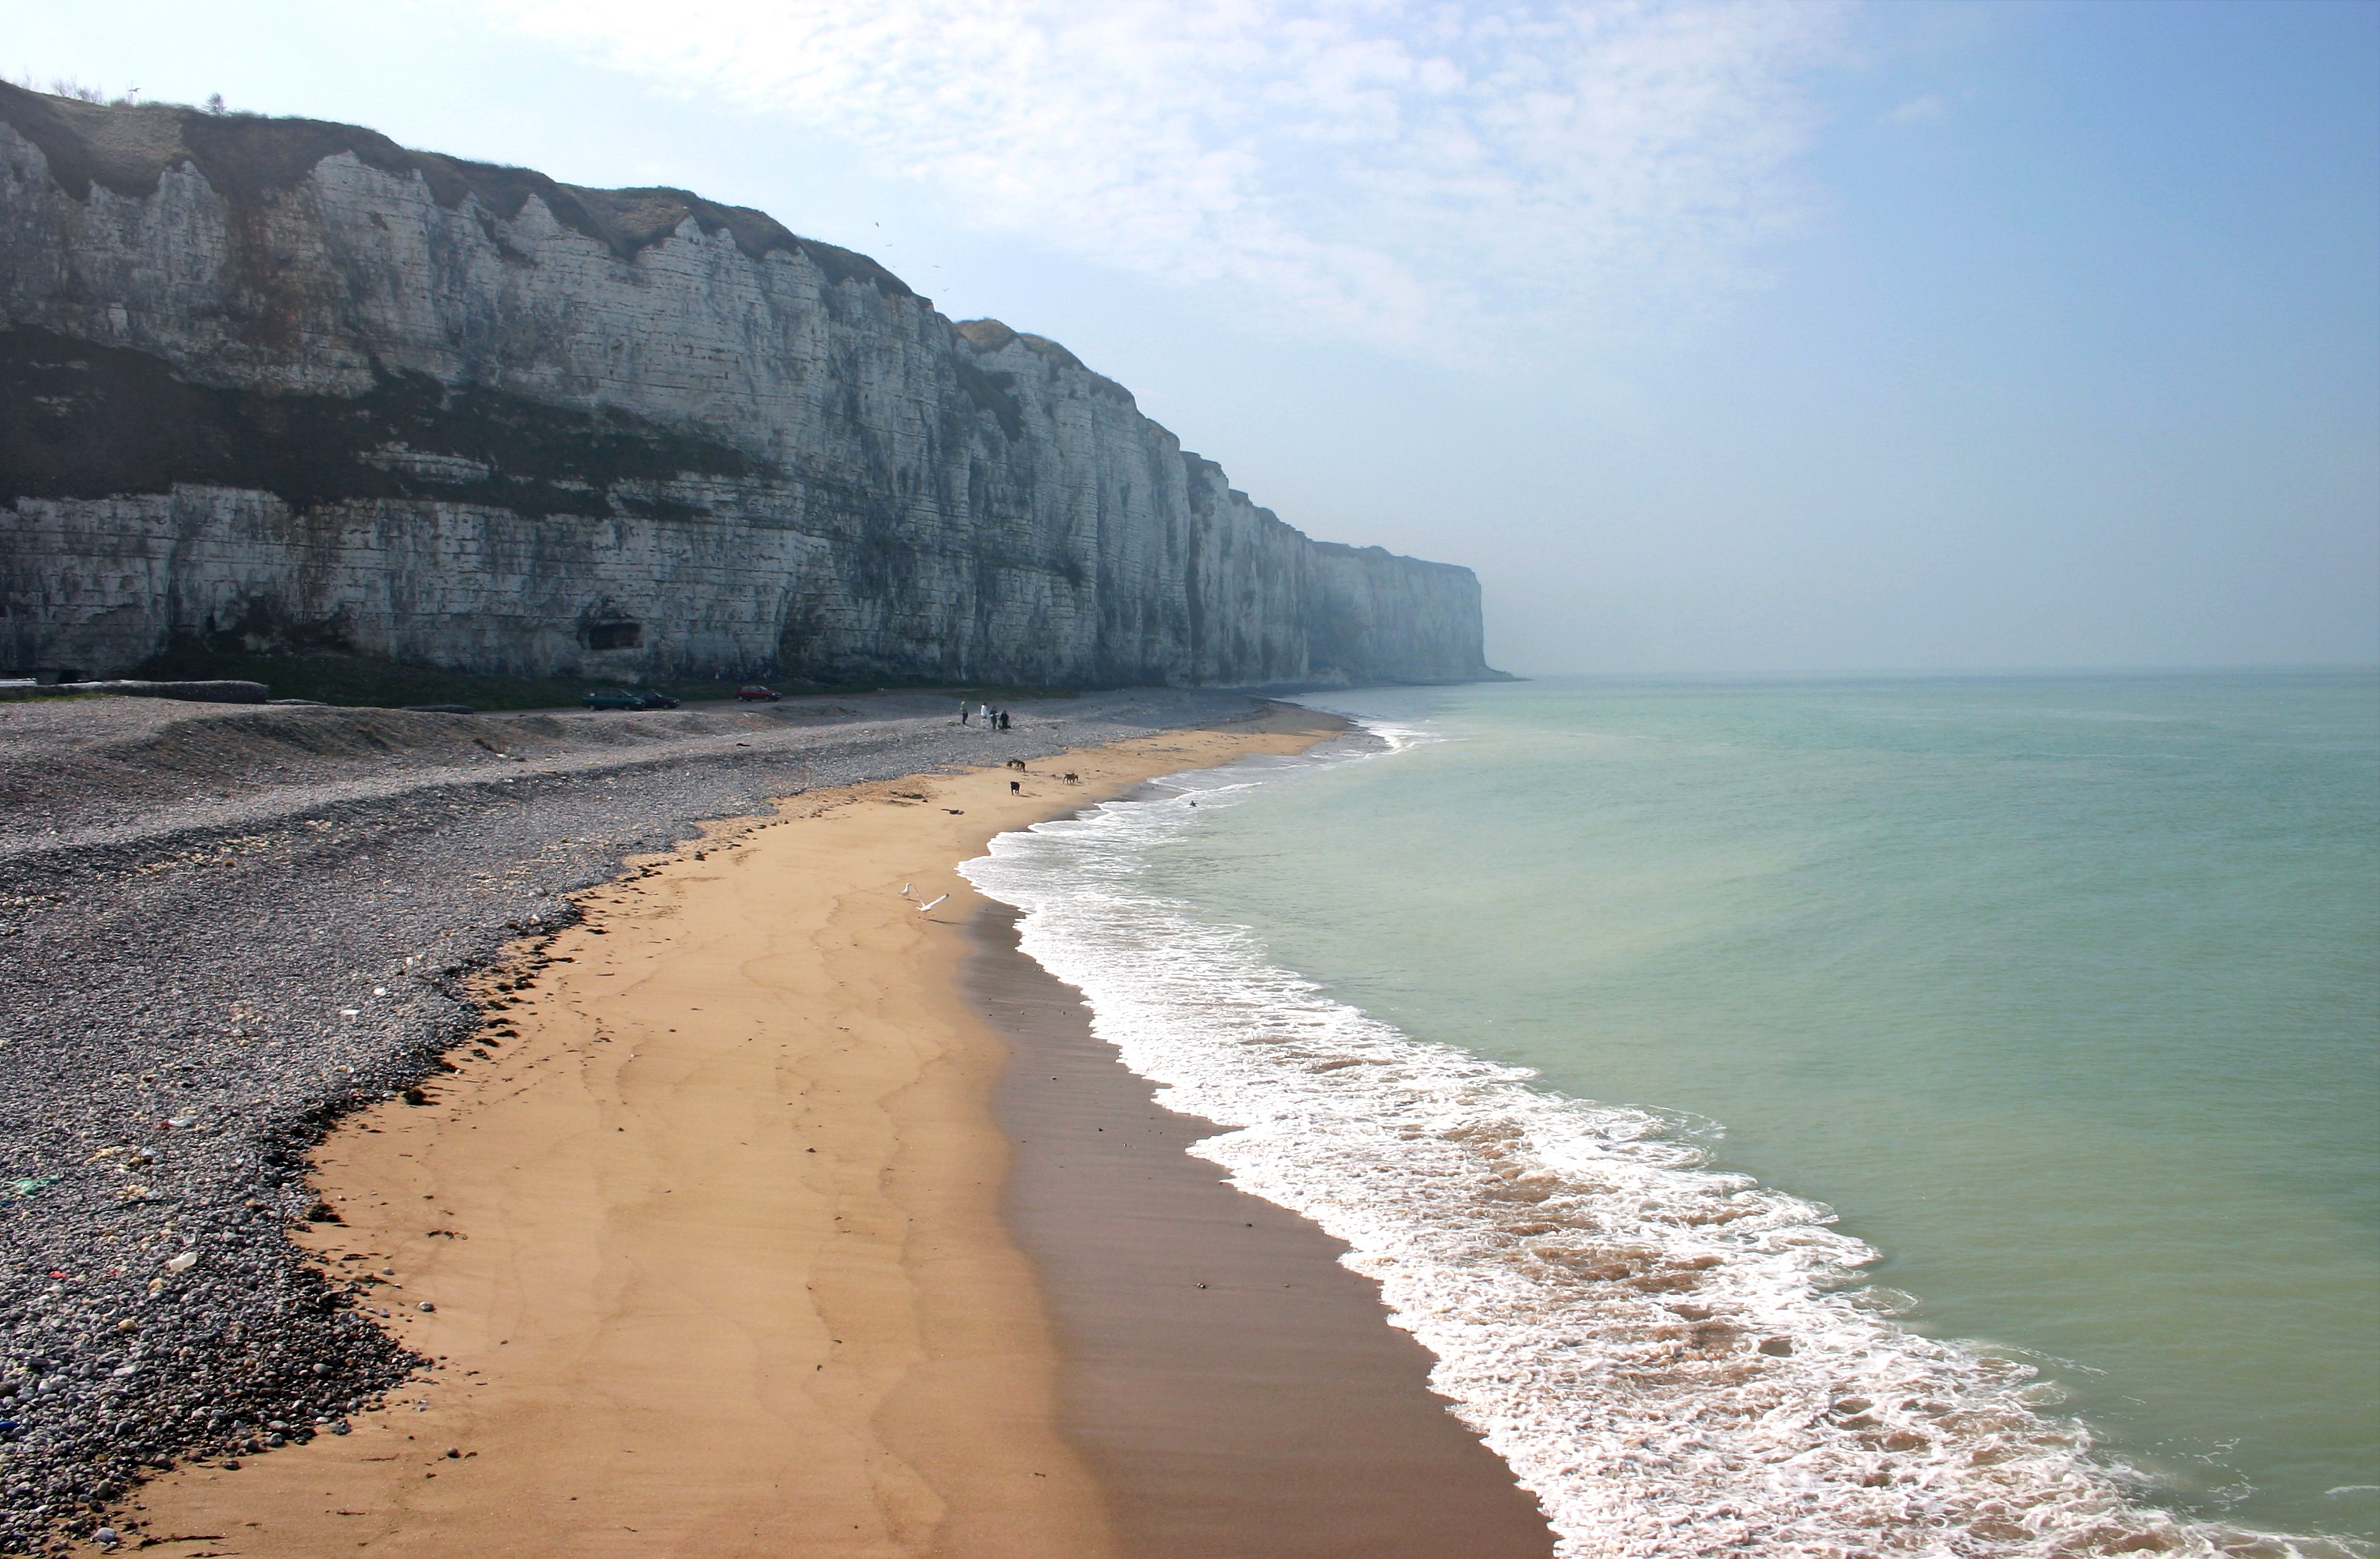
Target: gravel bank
(220,929)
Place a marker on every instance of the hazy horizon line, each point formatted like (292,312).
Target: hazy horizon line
(2275,668)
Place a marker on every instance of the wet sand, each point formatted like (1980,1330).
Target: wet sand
(1237,1392)
(711,1228)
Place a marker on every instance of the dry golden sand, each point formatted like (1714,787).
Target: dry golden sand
(713,1236)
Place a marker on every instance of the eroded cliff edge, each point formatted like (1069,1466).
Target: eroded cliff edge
(288,381)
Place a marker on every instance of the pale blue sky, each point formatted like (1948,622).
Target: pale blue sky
(1783,335)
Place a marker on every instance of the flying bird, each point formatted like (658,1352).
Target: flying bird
(923,907)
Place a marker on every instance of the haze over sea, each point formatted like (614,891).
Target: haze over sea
(2059,990)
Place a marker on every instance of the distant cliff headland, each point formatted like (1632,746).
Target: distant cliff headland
(287,386)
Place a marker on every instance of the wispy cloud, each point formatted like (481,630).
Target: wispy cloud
(1435,177)
(1919,111)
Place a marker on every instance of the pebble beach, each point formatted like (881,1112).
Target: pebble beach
(226,931)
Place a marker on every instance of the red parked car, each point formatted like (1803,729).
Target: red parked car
(758,694)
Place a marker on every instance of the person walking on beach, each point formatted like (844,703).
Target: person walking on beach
(962,712)
(1004,720)
(985,710)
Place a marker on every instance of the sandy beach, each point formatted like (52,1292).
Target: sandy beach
(706,1234)
(229,928)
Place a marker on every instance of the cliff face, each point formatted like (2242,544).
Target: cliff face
(290,381)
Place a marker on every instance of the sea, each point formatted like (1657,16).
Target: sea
(1821,1117)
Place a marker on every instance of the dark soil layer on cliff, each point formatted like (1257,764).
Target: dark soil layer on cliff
(365,681)
(221,928)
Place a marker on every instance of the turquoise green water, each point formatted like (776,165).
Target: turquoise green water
(2060,990)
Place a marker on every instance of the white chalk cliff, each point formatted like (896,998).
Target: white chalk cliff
(288,382)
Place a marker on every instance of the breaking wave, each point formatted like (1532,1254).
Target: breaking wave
(1675,1360)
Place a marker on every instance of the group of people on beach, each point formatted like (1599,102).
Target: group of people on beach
(990,719)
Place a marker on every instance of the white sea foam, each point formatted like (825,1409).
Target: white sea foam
(1676,1361)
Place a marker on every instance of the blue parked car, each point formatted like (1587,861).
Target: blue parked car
(621,697)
